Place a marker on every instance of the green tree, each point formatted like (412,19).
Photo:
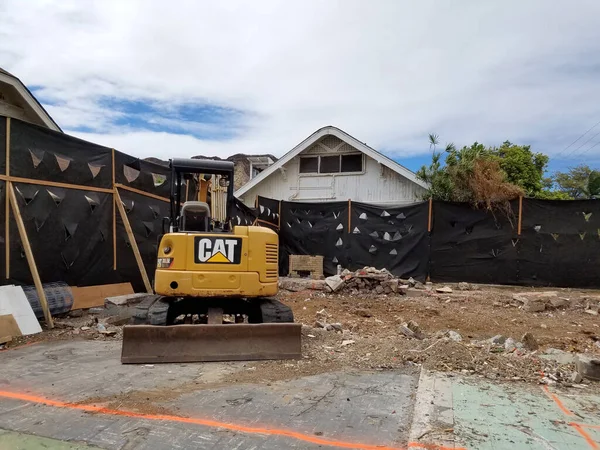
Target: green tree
(523,167)
(580,182)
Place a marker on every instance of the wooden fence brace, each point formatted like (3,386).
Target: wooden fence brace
(429,223)
(349,215)
(144,193)
(520,215)
(29,254)
(114,212)
(134,246)
(7,204)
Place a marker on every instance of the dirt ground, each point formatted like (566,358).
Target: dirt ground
(369,336)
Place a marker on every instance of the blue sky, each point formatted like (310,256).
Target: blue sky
(217,78)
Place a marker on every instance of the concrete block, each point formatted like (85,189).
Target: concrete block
(335,283)
(588,366)
(301,284)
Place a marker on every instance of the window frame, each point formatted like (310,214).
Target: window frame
(318,173)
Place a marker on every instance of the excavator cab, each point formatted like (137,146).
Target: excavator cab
(213,286)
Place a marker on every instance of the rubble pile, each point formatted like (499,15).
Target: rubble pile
(371,280)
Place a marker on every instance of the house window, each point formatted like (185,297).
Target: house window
(309,165)
(332,164)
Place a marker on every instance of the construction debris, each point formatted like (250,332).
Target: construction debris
(444,290)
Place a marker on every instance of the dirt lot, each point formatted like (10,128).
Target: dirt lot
(369,335)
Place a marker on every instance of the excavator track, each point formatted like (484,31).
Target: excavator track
(270,333)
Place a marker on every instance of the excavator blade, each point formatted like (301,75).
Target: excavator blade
(229,342)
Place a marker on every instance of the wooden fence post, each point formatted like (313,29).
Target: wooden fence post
(520,215)
(429,223)
(7,204)
(279,216)
(29,254)
(134,246)
(349,215)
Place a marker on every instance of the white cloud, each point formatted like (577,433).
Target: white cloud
(387,72)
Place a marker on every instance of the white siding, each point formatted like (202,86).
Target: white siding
(378,184)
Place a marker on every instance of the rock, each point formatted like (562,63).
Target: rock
(76,313)
(379,289)
(362,312)
(85,328)
(498,339)
(346,272)
(124,300)
(463,286)
(419,285)
(336,326)
(560,302)
(302,284)
(402,289)
(510,345)
(534,305)
(411,282)
(407,331)
(444,290)
(588,366)
(575,378)
(346,342)
(560,356)
(414,326)
(529,342)
(120,319)
(453,335)
(412,292)
(319,324)
(335,283)
(328,327)
(392,285)
(591,312)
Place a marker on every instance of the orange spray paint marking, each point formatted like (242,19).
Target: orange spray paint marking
(584,435)
(554,397)
(204,422)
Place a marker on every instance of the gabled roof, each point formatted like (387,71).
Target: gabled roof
(30,99)
(333,131)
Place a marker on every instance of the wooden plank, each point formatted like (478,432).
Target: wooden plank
(47,183)
(134,246)
(8,328)
(7,205)
(93,296)
(114,214)
(520,214)
(137,191)
(29,254)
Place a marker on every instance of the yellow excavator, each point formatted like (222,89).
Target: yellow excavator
(214,284)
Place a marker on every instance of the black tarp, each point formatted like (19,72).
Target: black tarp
(315,229)
(473,244)
(145,217)
(241,214)
(267,212)
(560,243)
(70,233)
(391,237)
(143,175)
(42,154)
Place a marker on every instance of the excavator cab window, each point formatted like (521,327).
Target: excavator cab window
(195,217)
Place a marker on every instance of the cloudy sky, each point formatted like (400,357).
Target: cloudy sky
(182,78)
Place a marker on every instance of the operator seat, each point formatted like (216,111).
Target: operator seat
(195,216)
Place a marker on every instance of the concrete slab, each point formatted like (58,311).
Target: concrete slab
(20,441)
(50,389)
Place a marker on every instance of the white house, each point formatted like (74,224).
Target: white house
(331,165)
(18,102)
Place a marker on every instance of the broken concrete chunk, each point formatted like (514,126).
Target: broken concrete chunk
(560,302)
(529,342)
(463,286)
(575,378)
(591,312)
(346,342)
(124,300)
(588,366)
(559,356)
(379,289)
(362,312)
(412,292)
(510,345)
(335,283)
(498,339)
(336,326)
(453,335)
(407,331)
(444,290)
(534,305)
(319,324)
(96,310)
(301,284)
